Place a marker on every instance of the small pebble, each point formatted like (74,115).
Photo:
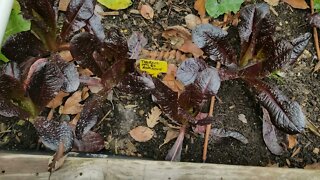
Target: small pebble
(141,112)
(316,150)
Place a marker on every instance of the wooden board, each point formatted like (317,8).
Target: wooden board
(23,166)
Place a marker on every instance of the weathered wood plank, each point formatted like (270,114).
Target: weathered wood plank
(22,166)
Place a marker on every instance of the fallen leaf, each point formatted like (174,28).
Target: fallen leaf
(199,5)
(218,133)
(170,80)
(312,166)
(141,133)
(292,140)
(242,118)
(66,55)
(153,117)
(192,21)
(85,93)
(75,120)
(272,2)
(63,5)
(180,38)
(146,11)
(116,4)
(57,101)
(57,159)
(299,4)
(171,134)
(72,105)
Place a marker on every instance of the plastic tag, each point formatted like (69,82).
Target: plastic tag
(153,67)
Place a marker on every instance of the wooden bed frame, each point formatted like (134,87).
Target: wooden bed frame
(24,166)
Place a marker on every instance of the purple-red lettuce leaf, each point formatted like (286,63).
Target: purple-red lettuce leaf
(115,46)
(11,69)
(191,98)
(135,44)
(13,101)
(174,153)
(23,45)
(82,48)
(136,84)
(77,15)
(285,114)
(299,45)
(94,26)
(8,109)
(53,132)
(228,74)
(255,29)
(280,55)
(166,99)
(43,17)
(90,142)
(189,70)
(115,74)
(208,81)
(44,83)
(269,134)
(314,20)
(212,40)
(98,57)
(92,112)
(70,73)
(218,133)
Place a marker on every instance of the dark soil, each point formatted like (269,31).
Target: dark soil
(129,111)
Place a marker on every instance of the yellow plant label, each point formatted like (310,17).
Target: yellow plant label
(153,67)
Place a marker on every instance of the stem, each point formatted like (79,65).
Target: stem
(208,127)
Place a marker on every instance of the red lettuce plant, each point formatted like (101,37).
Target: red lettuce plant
(260,56)
(36,72)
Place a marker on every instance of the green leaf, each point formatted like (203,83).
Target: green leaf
(116,4)
(16,22)
(215,8)
(15,25)
(317,5)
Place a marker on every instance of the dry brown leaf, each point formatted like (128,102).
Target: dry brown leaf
(272,2)
(163,55)
(146,11)
(50,114)
(170,80)
(57,101)
(66,55)
(171,134)
(292,141)
(85,93)
(299,4)
(199,5)
(180,38)
(312,166)
(84,72)
(63,5)
(72,105)
(153,117)
(75,120)
(57,159)
(141,133)
(192,21)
